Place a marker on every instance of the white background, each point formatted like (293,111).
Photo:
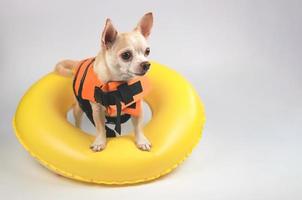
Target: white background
(243,58)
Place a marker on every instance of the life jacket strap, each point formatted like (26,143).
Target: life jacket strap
(124,93)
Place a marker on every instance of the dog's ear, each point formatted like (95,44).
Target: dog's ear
(145,24)
(109,34)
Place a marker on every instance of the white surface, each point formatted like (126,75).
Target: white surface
(243,57)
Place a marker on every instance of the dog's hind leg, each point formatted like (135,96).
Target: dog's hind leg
(77,113)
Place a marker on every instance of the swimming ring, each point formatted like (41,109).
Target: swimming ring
(178,117)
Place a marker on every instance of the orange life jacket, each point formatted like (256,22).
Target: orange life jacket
(117,96)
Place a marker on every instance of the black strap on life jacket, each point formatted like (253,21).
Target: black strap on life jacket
(83,103)
(124,94)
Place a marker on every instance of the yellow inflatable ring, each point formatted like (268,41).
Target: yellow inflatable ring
(41,126)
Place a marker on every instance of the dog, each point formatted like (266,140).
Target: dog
(123,56)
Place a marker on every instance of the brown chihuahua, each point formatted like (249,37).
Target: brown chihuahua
(123,56)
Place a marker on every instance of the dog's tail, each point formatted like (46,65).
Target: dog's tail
(66,67)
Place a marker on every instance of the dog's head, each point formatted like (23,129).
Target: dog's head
(126,53)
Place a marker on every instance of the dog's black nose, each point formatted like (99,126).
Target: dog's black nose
(145,66)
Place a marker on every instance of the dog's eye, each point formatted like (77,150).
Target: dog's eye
(127,55)
(147,51)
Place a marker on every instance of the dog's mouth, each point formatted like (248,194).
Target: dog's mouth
(136,74)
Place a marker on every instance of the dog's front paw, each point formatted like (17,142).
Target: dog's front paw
(143,143)
(98,145)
